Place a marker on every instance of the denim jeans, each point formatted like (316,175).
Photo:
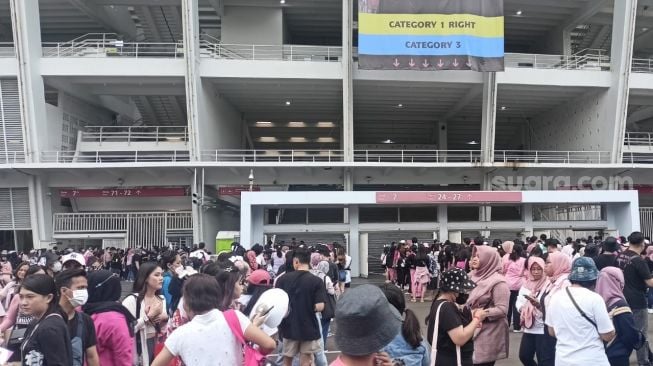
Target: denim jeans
(325,323)
(649,295)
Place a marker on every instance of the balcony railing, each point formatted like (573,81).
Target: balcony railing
(642,65)
(638,139)
(552,157)
(128,135)
(107,45)
(7,49)
(100,157)
(265,156)
(271,52)
(589,61)
(12,157)
(637,158)
(117,221)
(417,156)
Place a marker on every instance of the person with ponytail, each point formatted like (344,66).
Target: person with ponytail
(46,341)
(408,346)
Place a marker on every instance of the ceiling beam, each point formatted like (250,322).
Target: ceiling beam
(131,90)
(149,20)
(583,14)
(138,2)
(218,6)
(600,36)
(644,39)
(640,115)
(100,15)
(473,93)
(177,108)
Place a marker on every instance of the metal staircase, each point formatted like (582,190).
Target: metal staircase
(162,110)
(158,23)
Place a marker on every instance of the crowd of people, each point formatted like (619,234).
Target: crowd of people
(576,303)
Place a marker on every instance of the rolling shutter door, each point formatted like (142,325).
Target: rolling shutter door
(12,144)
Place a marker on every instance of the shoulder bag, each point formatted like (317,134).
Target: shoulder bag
(434,346)
(329,311)
(251,356)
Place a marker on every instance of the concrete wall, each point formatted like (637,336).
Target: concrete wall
(220,125)
(252,25)
(218,220)
(578,125)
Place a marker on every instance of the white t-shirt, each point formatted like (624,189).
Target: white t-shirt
(579,343)
(207,340)
(199,253)
(538,323)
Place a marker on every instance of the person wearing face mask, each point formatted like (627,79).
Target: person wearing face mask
(451,324)
(172,284)
(51,262)
(72,287)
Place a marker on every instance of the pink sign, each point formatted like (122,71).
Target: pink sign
(448,197)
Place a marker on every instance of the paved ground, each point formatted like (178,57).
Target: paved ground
(422,309)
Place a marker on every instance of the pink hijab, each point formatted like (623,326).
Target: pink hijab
(535,286)
(507,246)
(649,252)
(610,285)
(488,273)
(251,259)
(561,266)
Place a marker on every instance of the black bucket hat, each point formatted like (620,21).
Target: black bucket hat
(456,280)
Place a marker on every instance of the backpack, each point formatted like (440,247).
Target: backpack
(622,307)
(77,343)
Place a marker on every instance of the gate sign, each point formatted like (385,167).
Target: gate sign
(430,35)
(448,197)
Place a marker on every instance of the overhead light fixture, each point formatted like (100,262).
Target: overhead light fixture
(473,142)
(518,12)
(282,2)
(326,124)
(287,102)
(644,29)
(263,123)
(326,139)
(388,141)
(400,105)
(503,108)
(267,139)
(296,124)
(298,139)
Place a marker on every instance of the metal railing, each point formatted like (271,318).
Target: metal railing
(271,52)
(100,157)
(417,156)
(7,49)
(552,157)
(638,139)
(12,157)
(637,158)
(129,134)
(280,156)
(642,65)
(108,45)
(590,61)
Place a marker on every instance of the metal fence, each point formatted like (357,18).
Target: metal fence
(589,61)
(280,156)
(7,49)
(271,52)
(638,139)
(642,65)
(552,157)
(99,157)
(130,134)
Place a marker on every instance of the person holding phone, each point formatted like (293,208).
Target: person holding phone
(529,305)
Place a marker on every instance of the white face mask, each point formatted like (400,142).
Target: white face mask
(56,267)
(80,297)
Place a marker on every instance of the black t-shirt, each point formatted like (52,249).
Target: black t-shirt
(304,290)
(136,259)
(636,273)
(47,343)
(450,318)
(88,330)
(333,272)
(605,260)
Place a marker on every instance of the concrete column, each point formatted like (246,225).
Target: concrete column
(348,185)
(443,221)
(623,37)
(245,218)
(40,211)
(196,208)
(364,265)
(354,237)
(527,218)
(190,21)
(347,83)
(258,221)
(488,125)
(485,212)
(26,24)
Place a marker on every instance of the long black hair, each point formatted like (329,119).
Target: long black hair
(227,278)
(517,252)
(140,285)
(43,285)
(410,329)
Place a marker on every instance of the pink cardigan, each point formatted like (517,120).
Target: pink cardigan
(114,344)
(514,272)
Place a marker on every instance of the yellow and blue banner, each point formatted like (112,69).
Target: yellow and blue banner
(431,35)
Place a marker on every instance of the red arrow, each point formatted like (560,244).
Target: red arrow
(440,63)
(425,63)
(411,63)
(455,62)
(396,63)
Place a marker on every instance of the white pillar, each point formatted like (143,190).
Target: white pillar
(190,21)
(258,221)
(196,208)
(623,37)
(41,211)
(443,221)
(347,83)
(27,39)
(488,124)
(245,218)
(527,218)
(364,250)
(354,245)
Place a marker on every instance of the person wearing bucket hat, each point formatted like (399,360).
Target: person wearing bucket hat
(579,319)
(366,323)
(451,325)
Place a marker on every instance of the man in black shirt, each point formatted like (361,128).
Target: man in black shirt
(300,329)
(638,279)
(72,287)
(609,256)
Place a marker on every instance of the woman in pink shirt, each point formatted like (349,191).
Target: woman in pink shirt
(513,268)
(113,322)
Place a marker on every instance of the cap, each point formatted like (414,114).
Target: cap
(73,257)
(456,280)
(583,270)
(278,300)
(260,277)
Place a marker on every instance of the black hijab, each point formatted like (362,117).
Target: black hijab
(104,291)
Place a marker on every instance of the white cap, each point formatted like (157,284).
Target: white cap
(272,297)
(402,242)
(73,257)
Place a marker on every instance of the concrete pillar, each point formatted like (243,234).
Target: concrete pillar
(258,221)
(443,221)
(488,125)
(354,242)
(26,24)
(485,212)
(196,208)
(527,218)
(347,83)
(623,37)
(40,211)
(190,21)
(364,265)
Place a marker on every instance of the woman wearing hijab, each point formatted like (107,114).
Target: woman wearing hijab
(557,268)
(610,285)
(531,317)
(492,295)
(114,324)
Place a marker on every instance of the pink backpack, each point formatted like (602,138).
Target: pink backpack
(251,356)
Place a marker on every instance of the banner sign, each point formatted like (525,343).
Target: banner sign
(431,35)
(236,190)
(124,192)
(448,197)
